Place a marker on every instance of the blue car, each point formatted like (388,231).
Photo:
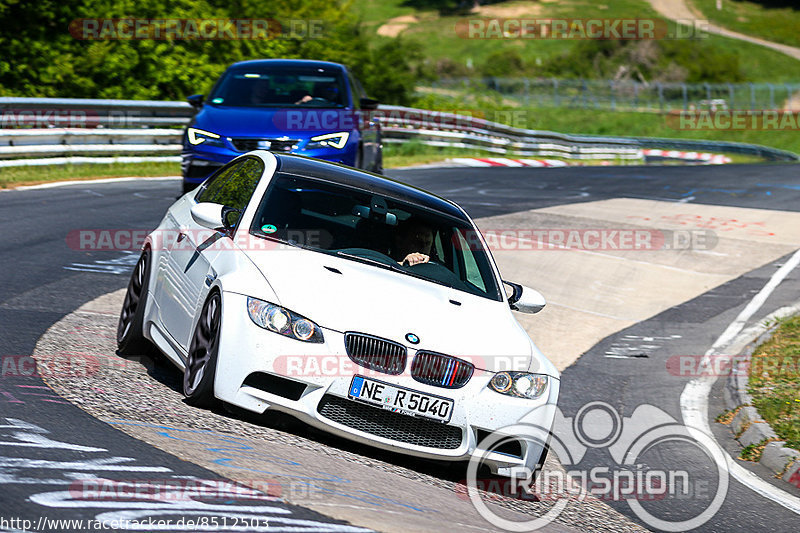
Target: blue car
(313,108)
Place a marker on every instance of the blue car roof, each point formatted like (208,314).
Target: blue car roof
(287,63)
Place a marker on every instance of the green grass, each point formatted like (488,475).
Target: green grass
(775,381)
(16,176)
(597,122)
(778,24)
(440,42)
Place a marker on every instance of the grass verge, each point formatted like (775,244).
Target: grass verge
(598,122)
(775,381)
(16,176)
(773,23)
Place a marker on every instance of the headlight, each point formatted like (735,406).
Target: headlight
(519,384)
(329,140)
(197,136)
(275,318)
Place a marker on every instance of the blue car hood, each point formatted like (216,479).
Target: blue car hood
(273,121)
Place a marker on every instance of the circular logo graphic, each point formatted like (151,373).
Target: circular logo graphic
(413,339)
(268,228)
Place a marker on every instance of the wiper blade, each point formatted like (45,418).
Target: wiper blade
(392,267)
(395,268)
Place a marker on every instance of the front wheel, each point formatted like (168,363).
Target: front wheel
(130,335)
(201,364)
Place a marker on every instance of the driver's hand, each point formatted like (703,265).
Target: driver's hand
(303,100)
(415,259)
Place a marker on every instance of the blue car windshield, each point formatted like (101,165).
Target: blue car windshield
(361,226)
(280,87)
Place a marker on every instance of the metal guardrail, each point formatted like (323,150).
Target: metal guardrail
(621,95)
(56,127)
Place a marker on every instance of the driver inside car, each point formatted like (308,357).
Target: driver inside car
(412,243)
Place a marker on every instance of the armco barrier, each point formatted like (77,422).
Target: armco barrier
(35,129)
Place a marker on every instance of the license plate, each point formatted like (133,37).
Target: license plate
(401,399)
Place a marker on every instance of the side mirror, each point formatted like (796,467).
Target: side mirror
(524,299)
(215,216)
(196,100)
(368,103)
(208,215)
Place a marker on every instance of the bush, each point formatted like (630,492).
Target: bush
(41,58)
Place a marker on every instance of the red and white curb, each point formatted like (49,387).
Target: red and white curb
(505,162)
(710,159)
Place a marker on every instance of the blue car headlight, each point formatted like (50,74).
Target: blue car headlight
(282,321)
(329,140)
(519,384)
(197,136)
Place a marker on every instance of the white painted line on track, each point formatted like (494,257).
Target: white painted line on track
(694,399)
(89,182)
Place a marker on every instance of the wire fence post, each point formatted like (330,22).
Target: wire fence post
(685,95)
(613,96)
(752,97)
(527,91)
(555,93)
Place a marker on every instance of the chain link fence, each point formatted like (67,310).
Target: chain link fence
(624,95)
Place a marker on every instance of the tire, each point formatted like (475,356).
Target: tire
(201,363)
(130,334)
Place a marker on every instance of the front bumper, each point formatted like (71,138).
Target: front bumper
(317,380)
(200,161)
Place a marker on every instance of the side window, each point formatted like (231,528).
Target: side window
(473,272)
(234,186)
(355,90)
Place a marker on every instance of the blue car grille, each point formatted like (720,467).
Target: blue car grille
(441,370)
(246,144)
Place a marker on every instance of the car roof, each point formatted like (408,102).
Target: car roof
(313,168)
(288,63)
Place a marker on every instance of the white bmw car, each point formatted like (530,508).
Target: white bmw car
(363,306)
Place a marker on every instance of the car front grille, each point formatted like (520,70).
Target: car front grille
(375,353)
(244,144)
(389,425)
(441,370)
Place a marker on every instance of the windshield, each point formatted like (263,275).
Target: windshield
(280,87)
(383,232)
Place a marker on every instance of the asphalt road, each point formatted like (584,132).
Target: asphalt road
(44,279)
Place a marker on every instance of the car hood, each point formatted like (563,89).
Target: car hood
(273,121)
(345,295)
